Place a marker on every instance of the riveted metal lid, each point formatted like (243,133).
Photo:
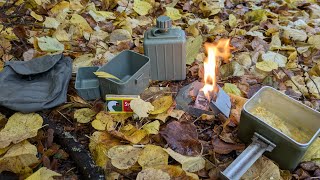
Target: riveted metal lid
(164,23)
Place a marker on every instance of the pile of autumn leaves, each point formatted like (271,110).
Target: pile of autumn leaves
(110,152)
(107,145)
(17,154)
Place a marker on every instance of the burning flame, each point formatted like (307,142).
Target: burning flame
(216,51)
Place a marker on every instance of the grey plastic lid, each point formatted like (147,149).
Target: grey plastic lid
(164,23)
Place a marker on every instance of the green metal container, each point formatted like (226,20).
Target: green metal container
(166,48)
(288,152)
(279,147)
(87,83)
(131,68)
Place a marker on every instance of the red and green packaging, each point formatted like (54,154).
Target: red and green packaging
(119,103)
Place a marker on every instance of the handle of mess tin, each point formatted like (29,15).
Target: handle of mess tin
(246,159)
(138,79)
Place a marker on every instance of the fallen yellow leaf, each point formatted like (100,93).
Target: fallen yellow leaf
(293,60)
(38,2)
(120,117)
(51,23)
(173,13)
(162,116)
(232,21)
(19,157)
(263,168)
(293,56)
(313,153)
(124,156)
(266,66)
(43,173)
(280,59)
(282,48)
(151,173)
(76,5)
(238,101)
(106,75)
(1,65)
(173,171)
(210,8)
(295,34)
(100,143)
(101,15)
(256,16)
(189,163)
(131,133)
(244,59)
(141,7)
(153,156)
(62,6)
(140,107)
(314,41)
(176,172)
(82,61)
(192,176)
(84,115)
(80,22)
(20,127)
(152,128)
(231,88)
(103,121)
(7,33)
(36,16)
(193,46)
(314,71)
(62,17)
(120,35)
(61,35)
(275,41)
(176,113)
(4,150)
(161,104)
(314,85)
(193,29)
(49,44)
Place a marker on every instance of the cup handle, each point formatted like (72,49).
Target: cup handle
(246,159)
(139,78)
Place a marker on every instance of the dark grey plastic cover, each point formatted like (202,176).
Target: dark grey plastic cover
(34,85)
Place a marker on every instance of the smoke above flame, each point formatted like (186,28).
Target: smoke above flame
(216,51)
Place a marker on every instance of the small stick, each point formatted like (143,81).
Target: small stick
(210,161)
(202,130)
(196,119)
(70,170)
(311,80)
(314,84)
(305,81)
(304,98)
(138,145)
(64,117)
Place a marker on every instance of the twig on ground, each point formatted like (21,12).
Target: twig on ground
(315,84)
(305,81)
(65,117)
(304,98)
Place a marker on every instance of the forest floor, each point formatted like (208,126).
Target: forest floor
(274,43)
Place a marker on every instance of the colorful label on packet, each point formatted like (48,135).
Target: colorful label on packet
(119,103)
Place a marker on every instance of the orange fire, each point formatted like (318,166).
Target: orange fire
(216,51)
